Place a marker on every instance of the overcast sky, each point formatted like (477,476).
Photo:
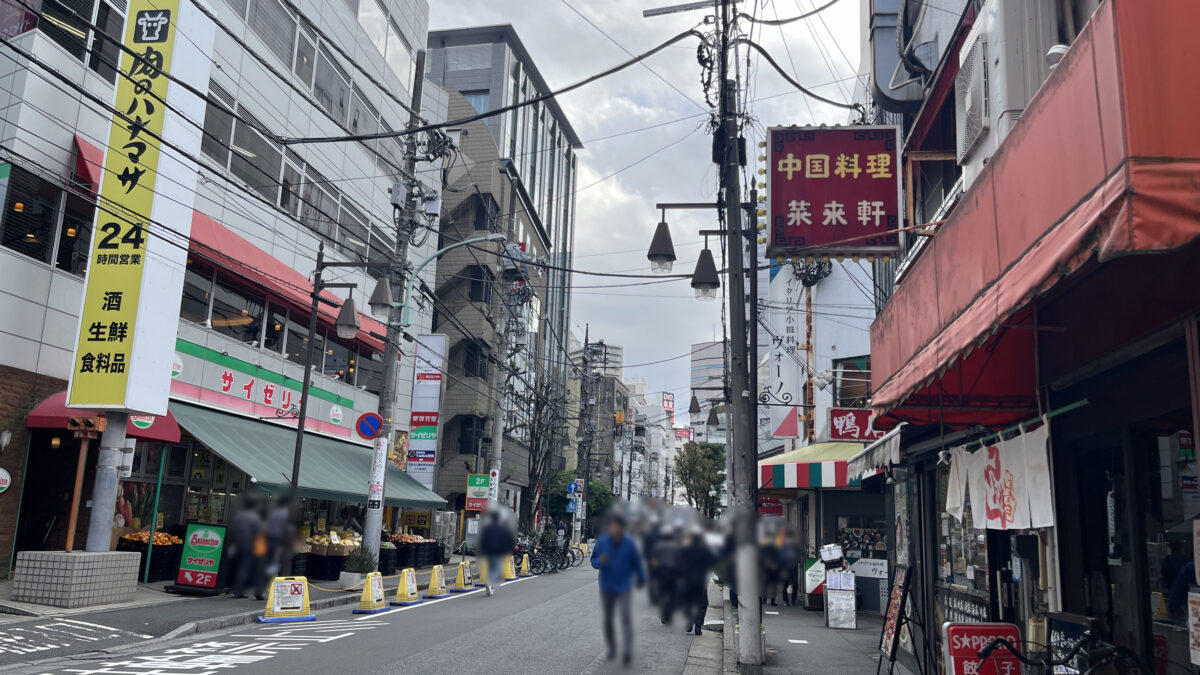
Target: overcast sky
(622,177)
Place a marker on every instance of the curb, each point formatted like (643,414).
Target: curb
(729,646)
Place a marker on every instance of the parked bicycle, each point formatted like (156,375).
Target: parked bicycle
(1096,654)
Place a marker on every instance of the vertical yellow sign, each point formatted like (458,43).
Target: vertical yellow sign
(107,323)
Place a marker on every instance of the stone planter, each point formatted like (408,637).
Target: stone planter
(349,579)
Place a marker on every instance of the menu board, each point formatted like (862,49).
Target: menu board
(840,608)
(895,609)
(1064,631)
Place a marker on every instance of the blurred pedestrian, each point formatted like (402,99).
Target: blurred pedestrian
(349,522)
(664,572)
(789,557)
(617,558)
(244,532)
(771,568)
(696,562)
(495,541)
(280,536)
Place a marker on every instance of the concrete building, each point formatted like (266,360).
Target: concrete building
(610,359)
(707,372)
(259,211)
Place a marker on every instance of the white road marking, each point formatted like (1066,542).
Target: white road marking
(798,642)
(776,613)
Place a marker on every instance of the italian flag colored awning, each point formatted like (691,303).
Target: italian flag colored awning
(821,465)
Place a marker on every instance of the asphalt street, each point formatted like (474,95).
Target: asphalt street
(547,624)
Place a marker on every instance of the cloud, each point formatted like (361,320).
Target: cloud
(615,218)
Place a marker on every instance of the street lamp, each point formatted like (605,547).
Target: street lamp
(347,320)
(714,421)
(662,251)
(406,311)
(381,298)
(705,281)
(694,408)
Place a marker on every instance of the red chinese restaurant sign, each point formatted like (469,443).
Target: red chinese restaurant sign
(833,191)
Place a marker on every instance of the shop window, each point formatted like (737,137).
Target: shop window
(273,333)
(197,294)
(297,342)
(370,371)
(30,215)
(237,314)
(75,236)
(177,463)
(275,26)
(962,549)
(66,22)
(338,361)
(256,160)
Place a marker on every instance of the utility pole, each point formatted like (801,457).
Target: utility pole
(585,424)
(512,326)
(743,429)
(373,523)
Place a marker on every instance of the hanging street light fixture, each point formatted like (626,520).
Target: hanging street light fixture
(662,251)
(705,280)
(694,408)
(347,320)
(381,298)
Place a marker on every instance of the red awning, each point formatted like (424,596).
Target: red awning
(53,413)
(89,163)
(215,242)
(1101,165)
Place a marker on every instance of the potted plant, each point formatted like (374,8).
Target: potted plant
(359,563)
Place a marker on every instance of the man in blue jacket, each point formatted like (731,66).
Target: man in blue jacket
(617,558)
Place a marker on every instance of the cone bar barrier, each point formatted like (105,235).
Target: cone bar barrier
(288,601)
(524,572)
(373,600)
(406,592)
(509,572)
(437,584)
(463,583)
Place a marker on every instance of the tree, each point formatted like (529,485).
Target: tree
(545,432)
(600,499)
(556,496)
(700,469)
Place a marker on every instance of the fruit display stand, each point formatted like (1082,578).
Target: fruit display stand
(164,562)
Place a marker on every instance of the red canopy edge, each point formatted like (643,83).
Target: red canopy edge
(1092,171)
(89,162)
(213,241)
(53,413)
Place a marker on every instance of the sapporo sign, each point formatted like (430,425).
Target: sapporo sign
(833,191)
(125,346)
(201,559)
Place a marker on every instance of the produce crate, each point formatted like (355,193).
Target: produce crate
(300,565)
(387,561)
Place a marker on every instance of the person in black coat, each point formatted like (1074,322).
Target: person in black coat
(495,541)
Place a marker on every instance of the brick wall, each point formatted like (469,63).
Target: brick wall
(20,391)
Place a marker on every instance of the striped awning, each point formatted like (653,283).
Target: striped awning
(821,465)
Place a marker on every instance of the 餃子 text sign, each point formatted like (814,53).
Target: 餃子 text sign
(833,191)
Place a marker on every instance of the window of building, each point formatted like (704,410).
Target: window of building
(382,250)
(66,22)
(238,6)
(339,360)
(364,119)
(471,357)
(352,231)
(256,160)
(399,56)
(275,26)
(331,86)
(218,131)
(30,217)
(289,193)
(75,236)
(852,382)
(236,313)
(197,294)
(481,284)
(369,372)
(373,20)
(104,54)
(319,209)
(306,56)
(297,342)
(273,332)
(477,99)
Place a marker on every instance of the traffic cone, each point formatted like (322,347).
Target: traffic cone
(406,592)
(288,601)
(437,584)
(463,583)
(524,571)
(509,572)
(373,600)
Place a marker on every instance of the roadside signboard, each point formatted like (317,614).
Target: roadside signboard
(478,491)
(571,506)
(430,359)
(961,643)
(201,560)
(572,487)
(852,424)
(833,191)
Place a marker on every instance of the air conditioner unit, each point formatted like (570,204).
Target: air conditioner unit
(1001,67)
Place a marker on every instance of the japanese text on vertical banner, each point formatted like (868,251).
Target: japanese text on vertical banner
(836,189)
(104,351)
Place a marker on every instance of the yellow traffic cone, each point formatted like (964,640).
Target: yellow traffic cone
(288,601)
(524,572)
(406,592)
(437,584)
(373,600)
(463,583)
(509,572)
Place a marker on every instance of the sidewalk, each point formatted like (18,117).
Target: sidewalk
(799,642)
(155,612)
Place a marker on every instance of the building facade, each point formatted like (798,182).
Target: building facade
(260,211)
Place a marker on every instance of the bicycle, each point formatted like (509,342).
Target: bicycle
(1098,654)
